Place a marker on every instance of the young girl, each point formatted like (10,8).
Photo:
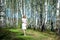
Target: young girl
(24,24)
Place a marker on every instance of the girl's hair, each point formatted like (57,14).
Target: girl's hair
(24,16)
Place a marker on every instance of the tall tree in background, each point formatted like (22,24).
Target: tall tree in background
(37,12)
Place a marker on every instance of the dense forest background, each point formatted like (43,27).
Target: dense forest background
(37,13)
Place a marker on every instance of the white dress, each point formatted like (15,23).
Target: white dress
(24,21)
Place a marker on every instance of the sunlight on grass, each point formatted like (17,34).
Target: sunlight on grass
(14,30)
(33,35)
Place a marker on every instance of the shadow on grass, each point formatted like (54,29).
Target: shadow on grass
(17,34)
(57,37)
(6,34)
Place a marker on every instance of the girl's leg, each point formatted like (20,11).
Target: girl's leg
(24,32)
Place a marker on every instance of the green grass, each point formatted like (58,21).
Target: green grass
(17,34)
(33,35)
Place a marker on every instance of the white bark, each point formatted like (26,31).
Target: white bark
(24,8)
(21,9)
(58,8)
(46,9)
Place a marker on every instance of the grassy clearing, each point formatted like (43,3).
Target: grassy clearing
(17,34)
(33,35)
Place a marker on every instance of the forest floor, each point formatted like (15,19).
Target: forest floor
(17,34)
